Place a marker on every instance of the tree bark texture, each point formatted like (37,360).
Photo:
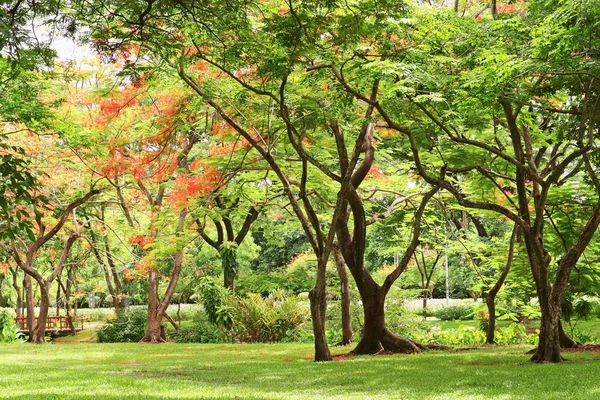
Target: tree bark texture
(376,338)
(29,304)
(19,301)
(340,266)
(38,334)
(548,349)
(318,308)
(155,332)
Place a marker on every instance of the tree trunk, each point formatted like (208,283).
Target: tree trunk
(108,268)
(29,304)
(548,349)
(318,307)
(376,338)
(566,341)
(154,330)
(67,293)
(15,284)
(490,301)
(340,265)
(229,284)
(58,298)
(38,334)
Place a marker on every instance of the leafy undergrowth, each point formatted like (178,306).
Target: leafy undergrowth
(284,371)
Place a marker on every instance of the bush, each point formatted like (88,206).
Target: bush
(575,308)
(9,330)
(251,317)
(201,330)
(515,334)
(455,313)
(584,336)
(129,326)
(463,336)
(214,299)
(471,336)
(268,319)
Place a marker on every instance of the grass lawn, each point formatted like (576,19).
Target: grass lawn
(283,371)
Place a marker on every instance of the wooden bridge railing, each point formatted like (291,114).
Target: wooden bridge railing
(53,323)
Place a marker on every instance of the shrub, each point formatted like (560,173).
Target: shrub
(515,334)
(584,336)
(9,330)
(251,317)
(575,308)
(471,336)
(215,302)
(129,326)
(268,319)
(463,336)
(455,313)
(201,330)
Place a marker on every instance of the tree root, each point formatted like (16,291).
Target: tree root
(388,343)
(155,338)
(343,343)
(152,340)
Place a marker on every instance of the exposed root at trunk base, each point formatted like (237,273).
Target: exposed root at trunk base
(155,337)
(547,354)
(388,343)
(539,359)
(567,342)
(152,340)
(343,343)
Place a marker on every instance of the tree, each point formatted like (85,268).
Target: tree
(26,263)
(148,159)
(262,79)
(227,240)
(426,271)
(533,142)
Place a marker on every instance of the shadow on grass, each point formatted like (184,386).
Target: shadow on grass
(282,371)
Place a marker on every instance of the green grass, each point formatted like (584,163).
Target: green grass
(278,371)
(85,336)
